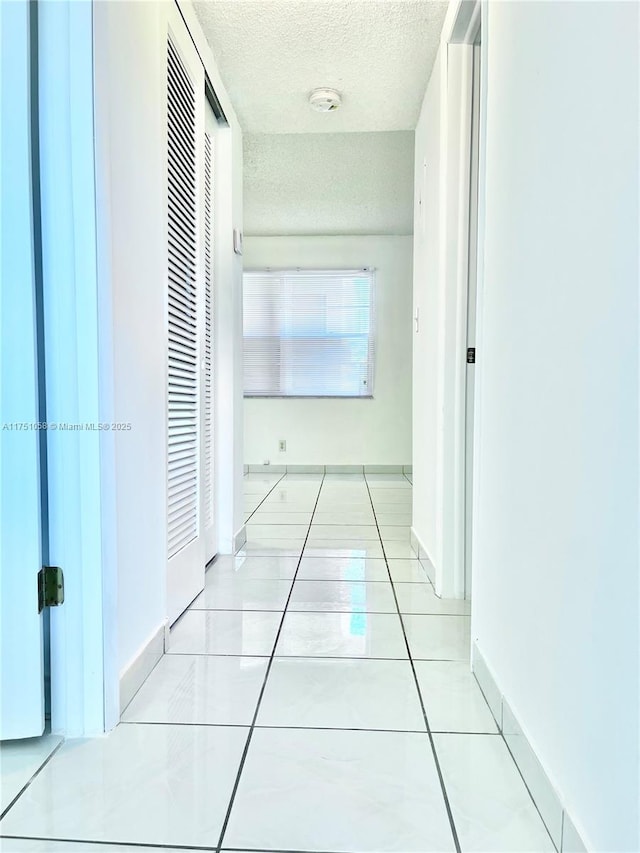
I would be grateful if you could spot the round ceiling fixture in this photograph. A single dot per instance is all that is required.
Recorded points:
(325, 100)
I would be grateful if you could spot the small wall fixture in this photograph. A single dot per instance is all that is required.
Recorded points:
(325, 100)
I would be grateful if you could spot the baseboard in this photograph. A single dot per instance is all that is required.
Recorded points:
(328, 469)
(543, 793)
(134, 676)
(240, 538)
(423, 555)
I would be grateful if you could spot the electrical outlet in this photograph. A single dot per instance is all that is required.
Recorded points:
(283, 445)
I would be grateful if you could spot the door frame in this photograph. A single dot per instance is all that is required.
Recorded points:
(80, 362)
(76, 310)
(459, 33)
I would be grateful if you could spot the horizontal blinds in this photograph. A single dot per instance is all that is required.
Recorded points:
(308, 333)
(182, 414)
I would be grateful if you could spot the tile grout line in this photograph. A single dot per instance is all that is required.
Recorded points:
(307, 728)
(247, 520)
(308, 657)
(24, 787)
(264, 683)
(145, 845)
(452, 825)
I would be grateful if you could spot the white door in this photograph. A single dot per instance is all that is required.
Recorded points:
(21, 661)
(471, 314)
(208, 397)
(185, 318)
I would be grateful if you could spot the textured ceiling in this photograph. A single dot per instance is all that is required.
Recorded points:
(273, 53)
(344, 183)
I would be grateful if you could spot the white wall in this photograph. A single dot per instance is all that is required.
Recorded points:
(130, 46)
(328, 183)
(343, 432)
(555, 610)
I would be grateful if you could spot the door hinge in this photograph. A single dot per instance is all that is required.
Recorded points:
(471, 355)
(50, 587)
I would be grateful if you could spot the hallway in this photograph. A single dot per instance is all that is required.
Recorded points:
(315, 697)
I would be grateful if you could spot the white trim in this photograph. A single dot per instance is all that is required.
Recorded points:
(80, 465)
(456, 56)
(138, 670)
(240, 539)
(542, 790)
(422, 554)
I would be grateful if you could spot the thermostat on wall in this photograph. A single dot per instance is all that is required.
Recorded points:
(237, 241)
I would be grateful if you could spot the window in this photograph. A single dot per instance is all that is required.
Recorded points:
(308, 333)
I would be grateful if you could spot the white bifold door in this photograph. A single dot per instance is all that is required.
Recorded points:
(185, 319)
(191, 541)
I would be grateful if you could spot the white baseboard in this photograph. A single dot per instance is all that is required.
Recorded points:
(328, 469)
(240, 538)
(543, 793)
(422, 555)
(134, 676)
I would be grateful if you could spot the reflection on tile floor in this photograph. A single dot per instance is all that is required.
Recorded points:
(294, 708)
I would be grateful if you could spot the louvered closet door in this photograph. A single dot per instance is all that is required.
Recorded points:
(185, 315)
(208, 408)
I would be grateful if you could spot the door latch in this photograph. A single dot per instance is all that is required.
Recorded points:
(471, 355)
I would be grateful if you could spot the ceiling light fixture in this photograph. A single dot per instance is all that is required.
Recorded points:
(325, 100)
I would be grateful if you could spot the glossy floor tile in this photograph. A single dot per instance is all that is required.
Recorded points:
(395, 550)
(359, 694)
(407, 571)
(338, 532)
(343, 596)
(344, 548)
(362, 516)
(224, 632)
(19, 760)
(369, 635)
(254, 567)
(200, 689)
(224, 593)
(421, 598)
(343, 569)
(491, 806)
(272, 548)
(438, 637)
(141, 783)
(452, 699)
(276, 531)
(319, 652)
(339, 791)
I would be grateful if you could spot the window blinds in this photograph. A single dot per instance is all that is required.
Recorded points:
(308, 333)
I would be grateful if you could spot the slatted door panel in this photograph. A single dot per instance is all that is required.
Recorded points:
(208, 332)
(185, 544)
(209, 365)
(182, 415)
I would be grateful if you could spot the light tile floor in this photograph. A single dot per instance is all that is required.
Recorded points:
(315, 697)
